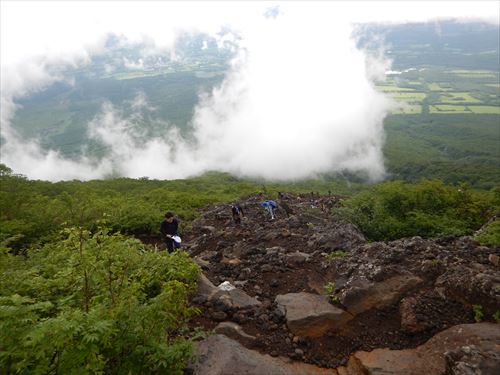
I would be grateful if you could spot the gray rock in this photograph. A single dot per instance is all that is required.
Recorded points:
(234, 331)
(219, 355)
(205, 289)
(361, 295)
(310, 314)
(430, 358)
(234, 298)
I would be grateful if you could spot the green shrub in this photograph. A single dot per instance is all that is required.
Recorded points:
(394, 210)
(490, 235)
(478, 313)
(330, 291)
(336, 254)
(95, 303)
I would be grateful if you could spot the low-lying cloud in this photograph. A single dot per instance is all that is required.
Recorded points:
(298, 100)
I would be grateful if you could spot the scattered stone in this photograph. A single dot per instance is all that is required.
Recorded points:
(234, 331)
(494, 259)
(219, 316)
(266, 268)
(235, 298)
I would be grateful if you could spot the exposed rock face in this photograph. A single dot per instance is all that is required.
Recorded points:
(234, 331)
(309, 314)
(483, 359)
(219, 355)
(429, 358)
(394, 295)
(361, 295)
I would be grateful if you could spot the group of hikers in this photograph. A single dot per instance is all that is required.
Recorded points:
(169, 227)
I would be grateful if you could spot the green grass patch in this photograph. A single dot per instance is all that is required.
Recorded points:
(457, 97)
(408, 109)
(386, 88)
(410, 97)
(436, 87)
(497, 85)
(443, 108)
(489, 109)
(474, 73)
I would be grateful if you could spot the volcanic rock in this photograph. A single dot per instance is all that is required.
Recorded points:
(219, 355)
(309, 314)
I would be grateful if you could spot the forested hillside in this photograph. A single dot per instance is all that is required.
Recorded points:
(83, 287)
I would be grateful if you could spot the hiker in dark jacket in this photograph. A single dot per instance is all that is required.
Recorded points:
(237, 213)
(168, 229)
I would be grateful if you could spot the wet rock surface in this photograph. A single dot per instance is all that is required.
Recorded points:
(397, 295)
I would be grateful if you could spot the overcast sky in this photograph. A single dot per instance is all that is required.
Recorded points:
(54, 27)
(298, 93)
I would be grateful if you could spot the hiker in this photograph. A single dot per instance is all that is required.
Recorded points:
(270, 206)
(168, 230)
(237, 213)
(285, 207)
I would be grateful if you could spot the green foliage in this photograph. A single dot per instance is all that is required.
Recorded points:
(330, 291)
(478, 313)
(95, 303)
(454, 148)
(394, 210)
(336, 254)
(34, 211)
(496, 316)
(490, 235)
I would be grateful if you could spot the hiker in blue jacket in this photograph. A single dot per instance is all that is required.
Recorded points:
(271, 207)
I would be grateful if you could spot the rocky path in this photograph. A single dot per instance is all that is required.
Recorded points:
(309, 295)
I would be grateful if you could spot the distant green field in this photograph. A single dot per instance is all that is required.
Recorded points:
(443, 108)
(408, 96)
(433, 86)
(497, 85)
(393, 88)
(408, 109)
(474, 73)
(457, 97)
(484, 109)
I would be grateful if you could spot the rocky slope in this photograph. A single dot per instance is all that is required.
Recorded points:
(309, 294)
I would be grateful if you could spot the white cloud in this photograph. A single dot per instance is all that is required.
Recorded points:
(299, 99)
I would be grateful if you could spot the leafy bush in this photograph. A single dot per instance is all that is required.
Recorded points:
(330, 291)
(394, 210)
(478, 313)
(95, 303)
(490, 235)
(336, 254)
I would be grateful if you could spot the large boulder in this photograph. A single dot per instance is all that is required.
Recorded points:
(360, 294)
(219, 355)
(205, 290)
(309, 314)
(233, 299)
(430, 358)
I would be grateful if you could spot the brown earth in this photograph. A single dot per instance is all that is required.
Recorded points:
(265, 258)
